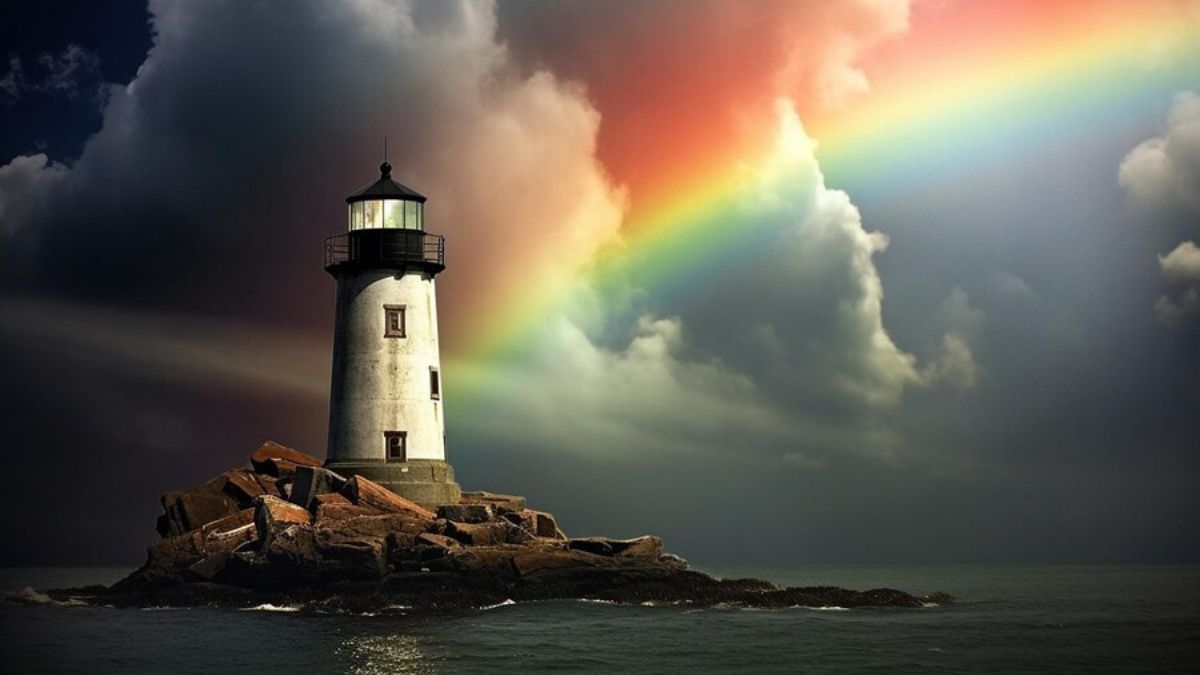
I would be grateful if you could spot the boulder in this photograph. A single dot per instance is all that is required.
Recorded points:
(242, 486)
(548, 559)
(438, 541)
(351, 556)
(331, 499)
(272, 514)
(311, 481)
(165, 558)
(270, 484)
(466, 513)
(364, 492)
(375, 525)
(498, 502)
(328, 512)
(645, 547)
(487, 534)
(539, 523)
(491, 559)
(226, 541)
(190, 509)
(276, 460)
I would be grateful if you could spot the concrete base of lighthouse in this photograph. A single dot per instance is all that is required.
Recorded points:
(428, 482)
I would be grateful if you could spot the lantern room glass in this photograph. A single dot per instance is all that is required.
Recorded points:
(373, 214)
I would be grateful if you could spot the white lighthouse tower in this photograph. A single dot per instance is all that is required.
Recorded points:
(385, 406)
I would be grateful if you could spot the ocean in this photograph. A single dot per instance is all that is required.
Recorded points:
(1007, 619)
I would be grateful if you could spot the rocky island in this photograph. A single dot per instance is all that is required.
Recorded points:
(286, 531)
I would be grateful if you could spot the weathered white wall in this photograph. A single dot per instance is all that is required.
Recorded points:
(380, 383)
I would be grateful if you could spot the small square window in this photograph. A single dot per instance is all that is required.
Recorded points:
(397, 445)
(435, 384)
(393, 321)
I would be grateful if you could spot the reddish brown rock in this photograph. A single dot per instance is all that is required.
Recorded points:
(190, 509)
(275, 459)
(539, 523)
(367, 493)
(498, 502)
(546, 559)
(272, 514)
(242, 486)
(440, 541)
(311, 481)
(488, 534)
(226, 541)
(466, 513)
(328, 512)
(645, 547)
(331, 498)
(269, 484)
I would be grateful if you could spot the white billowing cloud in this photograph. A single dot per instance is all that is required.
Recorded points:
(954, 363)
(1165, 170)
(1180, 267)
(25, 185)
(785, 357)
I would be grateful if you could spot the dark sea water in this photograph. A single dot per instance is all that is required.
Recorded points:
(1007, 619)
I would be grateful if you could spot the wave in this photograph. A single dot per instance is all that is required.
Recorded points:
(28, 596)
(506, 603)
(268, 607)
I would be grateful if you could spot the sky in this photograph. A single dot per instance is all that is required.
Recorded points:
(870, 281)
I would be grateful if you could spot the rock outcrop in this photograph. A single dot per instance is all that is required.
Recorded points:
(286, 530)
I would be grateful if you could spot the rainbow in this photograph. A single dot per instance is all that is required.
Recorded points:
(972, 80)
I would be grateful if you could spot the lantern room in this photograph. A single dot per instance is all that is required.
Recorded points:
(386, 204)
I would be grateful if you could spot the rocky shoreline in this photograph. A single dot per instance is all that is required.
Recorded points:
(286, 532)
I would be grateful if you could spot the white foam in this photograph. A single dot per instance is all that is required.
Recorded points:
(31, 597)
(506, 603)
(268, 607)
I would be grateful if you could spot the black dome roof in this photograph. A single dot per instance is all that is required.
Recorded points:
(386, 188)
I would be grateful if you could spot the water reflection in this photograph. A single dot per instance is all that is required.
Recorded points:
(384, 653)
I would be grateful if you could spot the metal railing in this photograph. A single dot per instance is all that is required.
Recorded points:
(385, 246)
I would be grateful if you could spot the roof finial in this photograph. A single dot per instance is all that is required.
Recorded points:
(385, 169)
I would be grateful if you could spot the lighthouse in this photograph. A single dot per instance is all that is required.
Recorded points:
(386, 400)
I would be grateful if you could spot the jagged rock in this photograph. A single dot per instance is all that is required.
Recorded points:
(438, 541)
(232, 521)
(226, 541)
(242, 486)
(272, 514)
(311, 481)
(498, 502)
(331, 499)
(466, 513)
(539, 523)
(646, 546)
(367, 493)
(279, 460)
(327, 512)
(270, 484)
(673, 561)
(536, 561)
(368, 548)
(351, 556)
(190, 509)
(487, 534)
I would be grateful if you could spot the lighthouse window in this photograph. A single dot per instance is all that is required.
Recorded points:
(435, 386)
(393, 321)
(396, 443)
